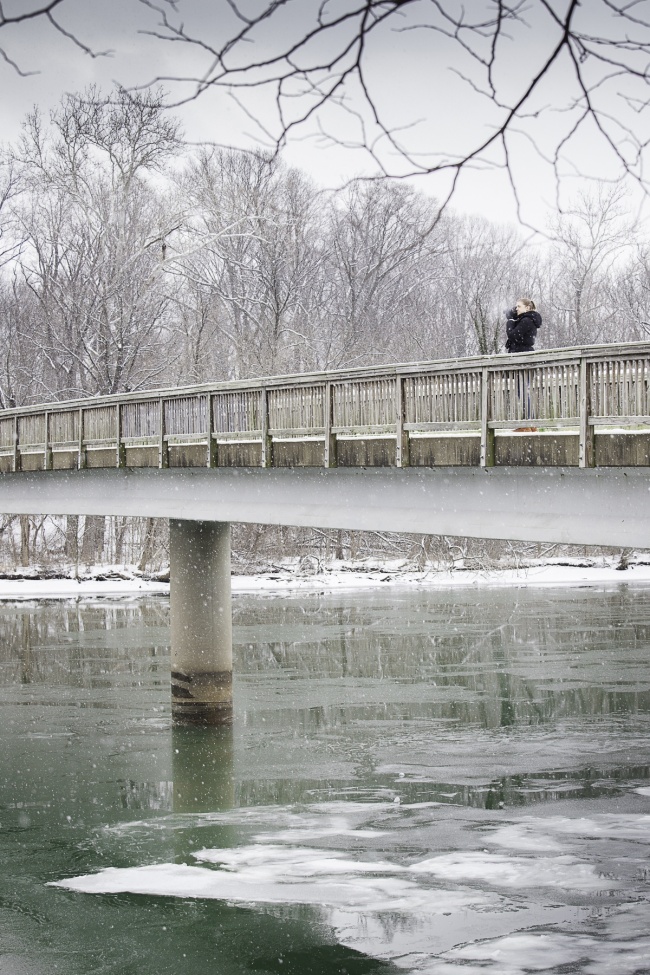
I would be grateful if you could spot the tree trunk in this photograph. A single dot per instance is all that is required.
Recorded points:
(25, 527)
(92, 545)
(338, 552)
(148, 544)
(71, 546)
(120, 532)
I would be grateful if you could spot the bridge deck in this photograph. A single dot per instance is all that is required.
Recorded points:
(579, 407)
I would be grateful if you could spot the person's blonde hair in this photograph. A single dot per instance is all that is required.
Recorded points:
(528, 302)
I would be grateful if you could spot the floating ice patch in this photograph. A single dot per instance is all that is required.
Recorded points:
(303, 834)
(281, 875)
(643, 791)
(526, 836)
(314, 825)
(334, 816)
(295, 862)
(503, 871)
(521, 953)
(542, 834)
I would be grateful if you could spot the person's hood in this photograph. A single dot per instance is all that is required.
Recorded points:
(536, 317)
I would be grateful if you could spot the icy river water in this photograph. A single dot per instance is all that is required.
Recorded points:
(441, 782)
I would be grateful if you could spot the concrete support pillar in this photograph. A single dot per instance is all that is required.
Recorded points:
(201, 622)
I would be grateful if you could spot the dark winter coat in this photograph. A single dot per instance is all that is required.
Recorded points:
(521, 330)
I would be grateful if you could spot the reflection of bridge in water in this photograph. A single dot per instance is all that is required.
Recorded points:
(547, 446)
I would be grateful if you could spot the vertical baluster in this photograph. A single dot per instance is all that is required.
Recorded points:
(120, 450)
(81, 450)
(47, 449)
(402, 437)
(487, 435)
(330, 438)
(16, 456)
(267, 440)
(586, 443)
(163, 451)
(211, 458)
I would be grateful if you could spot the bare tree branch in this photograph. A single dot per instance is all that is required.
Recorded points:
(45, 12)
(326, 72)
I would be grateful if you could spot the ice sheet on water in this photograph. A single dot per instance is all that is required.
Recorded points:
(284, 875)
(262, 860)
(500, 910)
(305, 834)
(546, 834)
(521, 953)
(318, 816)
(511, 871)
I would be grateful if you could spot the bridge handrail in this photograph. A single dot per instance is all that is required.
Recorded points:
(497, 361)
(580, 390)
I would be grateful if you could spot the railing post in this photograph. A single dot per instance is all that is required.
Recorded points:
(47, 450)
(267, 440)
(487, 435)
(212, 459)
(16, 457)
(81, 450)
(329, 459)
(586, 449)
(120, 449)
(402, 437)
(163, 452)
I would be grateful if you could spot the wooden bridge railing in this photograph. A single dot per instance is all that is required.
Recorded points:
(577, 407)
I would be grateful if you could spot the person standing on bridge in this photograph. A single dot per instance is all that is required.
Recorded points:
(521, 326)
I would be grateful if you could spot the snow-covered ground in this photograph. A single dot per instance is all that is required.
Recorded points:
(291, 576)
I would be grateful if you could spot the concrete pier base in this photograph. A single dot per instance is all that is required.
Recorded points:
(201, 622)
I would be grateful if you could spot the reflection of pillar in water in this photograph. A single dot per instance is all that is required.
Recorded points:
(201, 622)
(202, 767)
(26, 660)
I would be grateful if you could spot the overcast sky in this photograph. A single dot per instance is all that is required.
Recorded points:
(411, 73)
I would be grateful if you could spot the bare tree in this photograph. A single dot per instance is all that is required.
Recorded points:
(589, 241)
(92, 231)
(535, 73)
(246, 257)
(384, 246)
(486, 274)
(87, 304)
(630, 294)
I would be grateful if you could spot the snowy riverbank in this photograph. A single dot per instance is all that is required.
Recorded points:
(291, 576)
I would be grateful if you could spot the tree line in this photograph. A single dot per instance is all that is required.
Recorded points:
(130, 261)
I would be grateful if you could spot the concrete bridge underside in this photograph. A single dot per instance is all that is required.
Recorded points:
(603, 506)
(594, 506)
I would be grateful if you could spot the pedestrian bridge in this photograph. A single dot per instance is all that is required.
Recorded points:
(543, 446)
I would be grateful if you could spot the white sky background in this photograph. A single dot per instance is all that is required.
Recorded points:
(410, 73)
